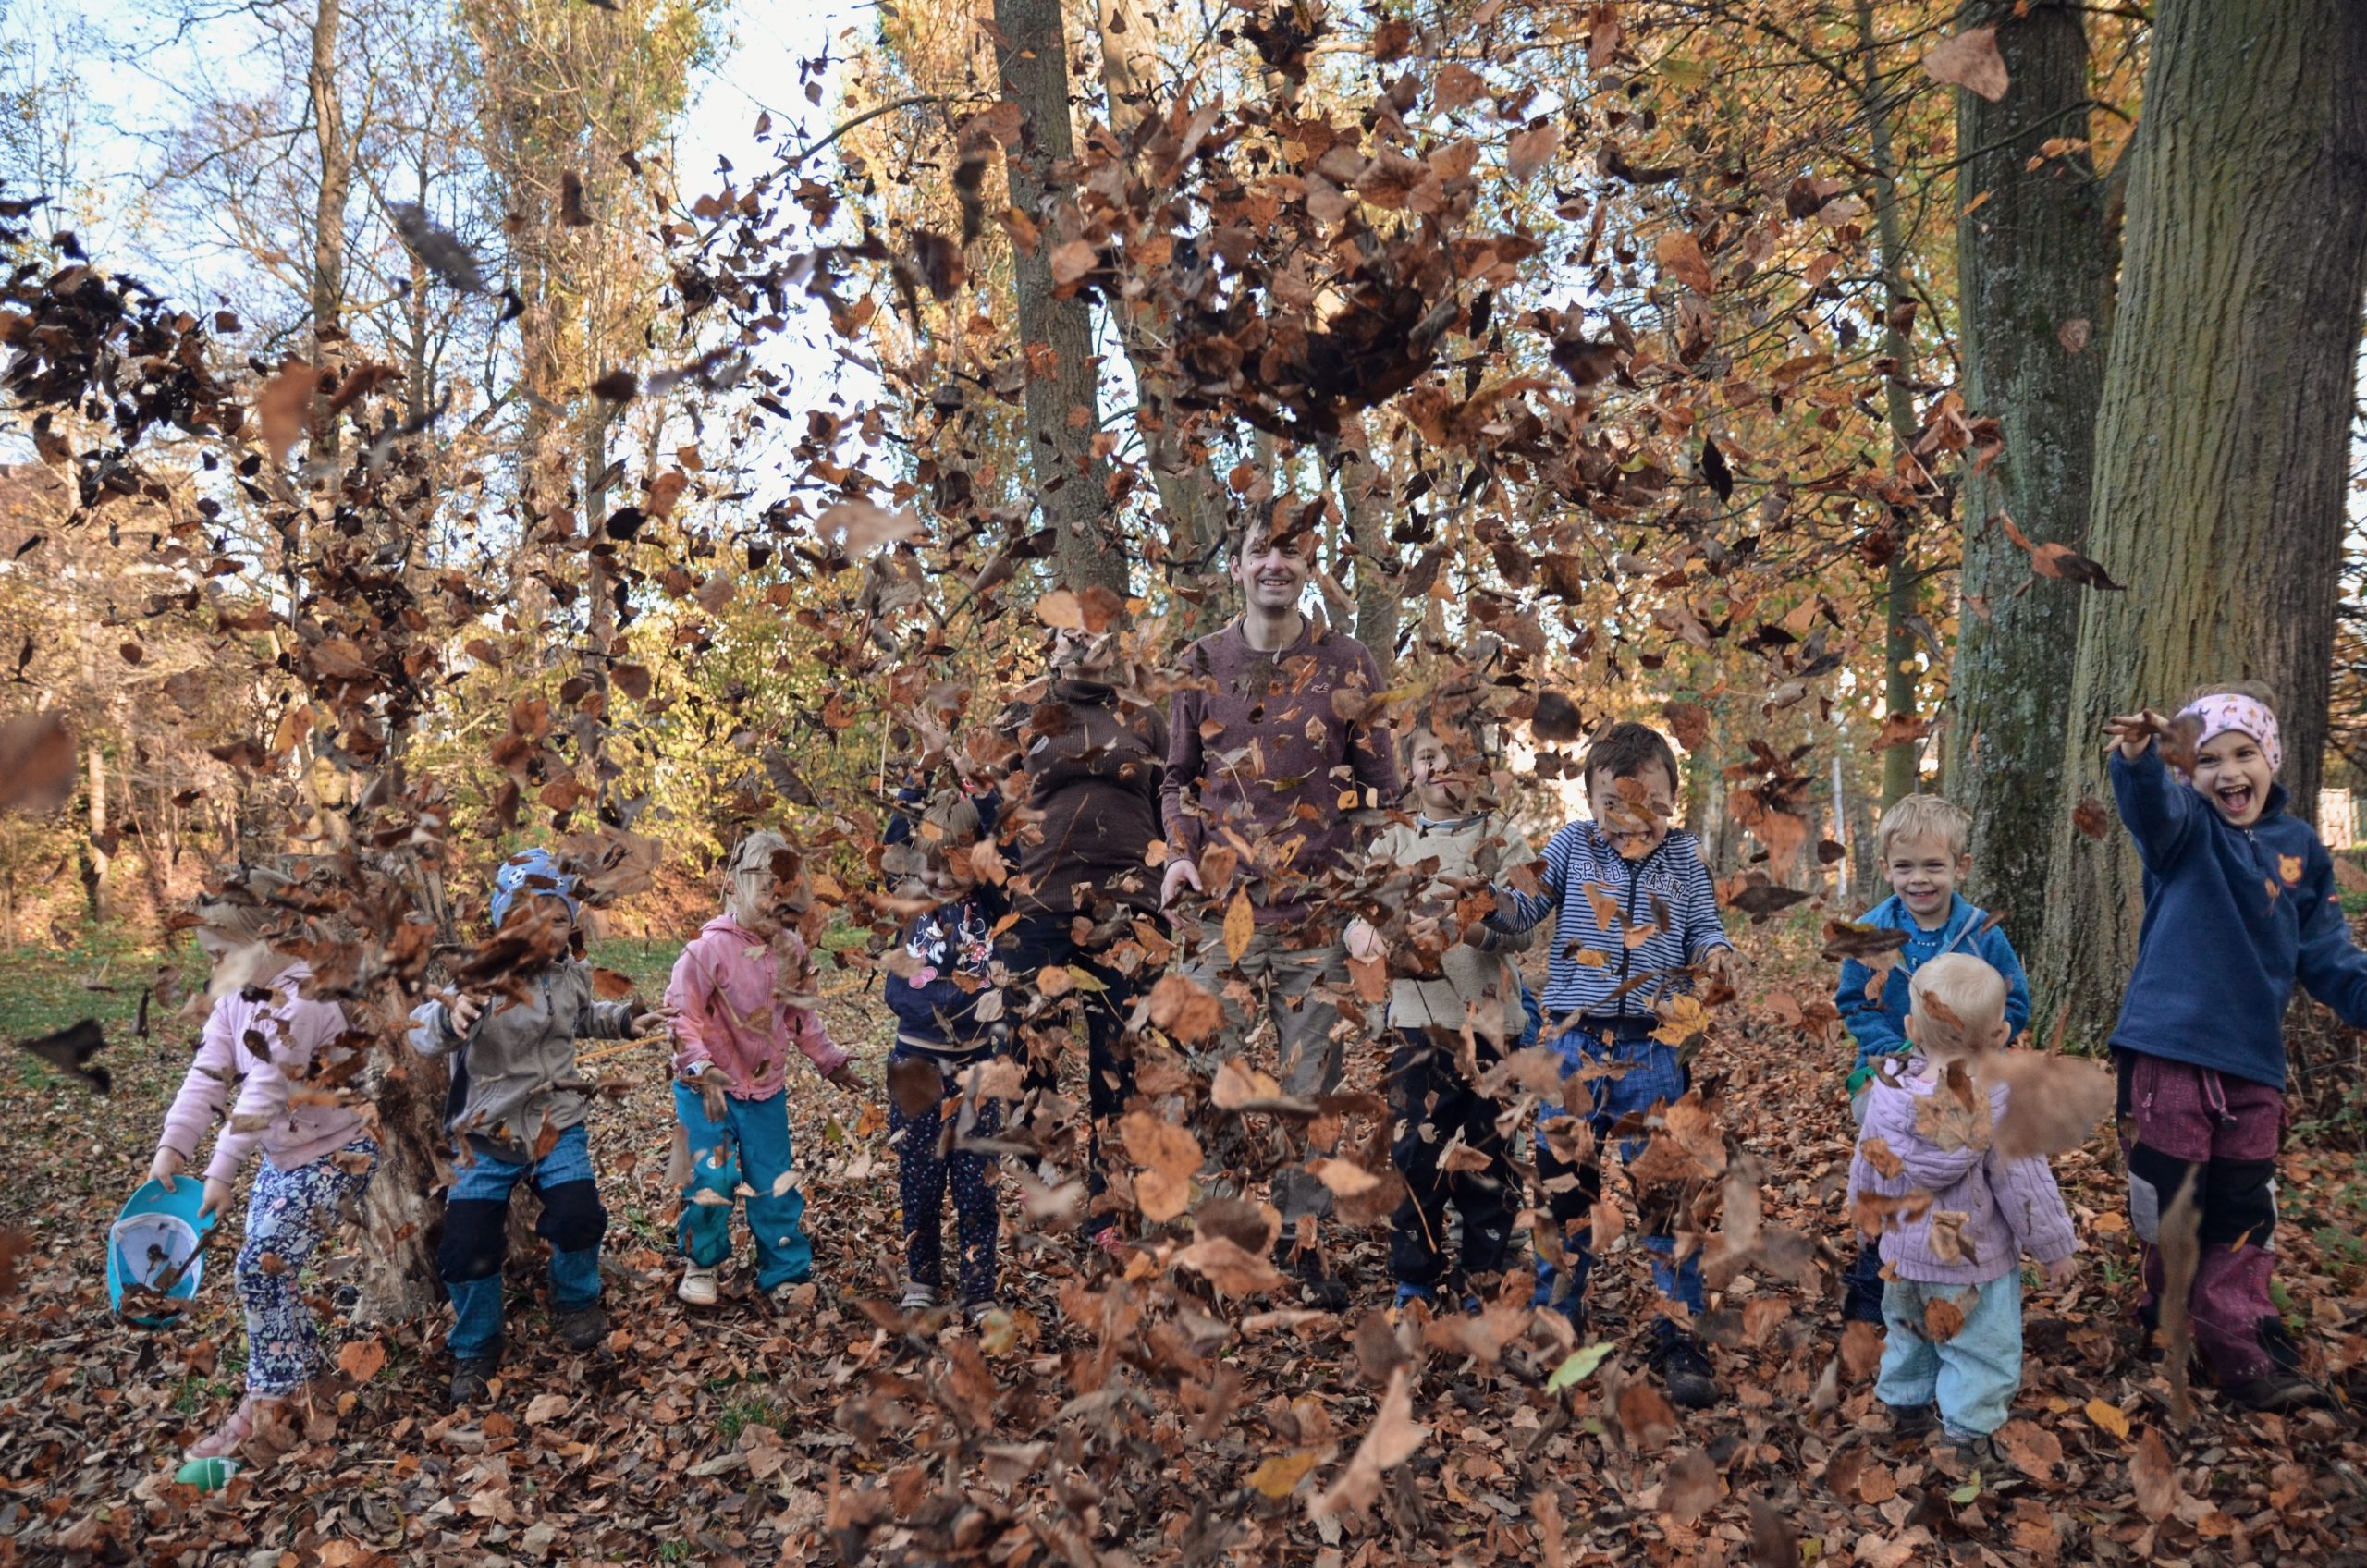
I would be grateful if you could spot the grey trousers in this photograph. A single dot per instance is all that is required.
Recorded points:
(1310, 1058)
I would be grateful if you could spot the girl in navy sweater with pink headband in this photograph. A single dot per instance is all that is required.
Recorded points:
(2240, 903)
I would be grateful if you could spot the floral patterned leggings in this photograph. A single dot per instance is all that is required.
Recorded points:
(288, 1216)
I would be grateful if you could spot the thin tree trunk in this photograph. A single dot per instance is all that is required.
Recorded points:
(336, 154)
(1363, 499)
(1062, 405)
(1182, 466)
(2033, 259)
(1899, 668)
(2222, 443)
(96, 860)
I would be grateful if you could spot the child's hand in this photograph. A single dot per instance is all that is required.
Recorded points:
(164, 1168)
(2061, 1273)
(1362, 941)
(846, 1078)
(712, 1098)
(2133, 732)
(1720, 968)
(218, 1199)
(653, 1020)
(465, 1010)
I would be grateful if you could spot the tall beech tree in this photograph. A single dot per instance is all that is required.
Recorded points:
(2222, 445)
(2034, 273)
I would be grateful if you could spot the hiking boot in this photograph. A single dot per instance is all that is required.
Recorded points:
(2277, 1392)
(1975, 1450)
(472, 1380)
(1692, 1383)
(1912, 1423)
(697, 1287)
(582, 1327)
(1320, 1288)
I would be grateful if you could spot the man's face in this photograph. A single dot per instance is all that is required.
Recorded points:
(1633, 811)
(1271, 573)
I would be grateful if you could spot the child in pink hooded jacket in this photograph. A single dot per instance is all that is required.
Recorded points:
(740, 991)
(265, 1040)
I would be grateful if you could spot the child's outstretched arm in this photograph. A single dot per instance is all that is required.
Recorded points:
(2161, 812)
(434, 1030)
(2332, 968)
(1705, 942)
(2008, 963)
(1868, 1023)
(2032, 1207)
(1517, 912)
(206, 1090)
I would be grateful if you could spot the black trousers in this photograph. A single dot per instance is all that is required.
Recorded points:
(1433, 1102)
(1040, 941)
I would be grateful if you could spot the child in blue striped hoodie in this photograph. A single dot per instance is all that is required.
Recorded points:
(1635, 919)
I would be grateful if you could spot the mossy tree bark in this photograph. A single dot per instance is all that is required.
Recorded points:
(2222, 443)
(2034, 263)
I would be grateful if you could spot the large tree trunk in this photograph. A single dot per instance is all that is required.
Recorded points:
(2033, 262)
(1072, 485)
(2222, 445)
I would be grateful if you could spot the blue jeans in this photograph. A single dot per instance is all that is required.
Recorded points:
(752, 1144)
(477, 1217)
(1973, 1374)
(1652, 1073)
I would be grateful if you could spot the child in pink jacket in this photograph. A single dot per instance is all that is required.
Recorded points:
(262, 1057)
(742, 992)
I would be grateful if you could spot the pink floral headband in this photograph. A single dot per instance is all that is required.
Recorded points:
(2223, 712)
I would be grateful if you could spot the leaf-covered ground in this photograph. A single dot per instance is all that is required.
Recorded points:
(1112, 1422)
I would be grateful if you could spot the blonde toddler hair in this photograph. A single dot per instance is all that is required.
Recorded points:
(1925, 816)
(752, 886)
(1958, 1001)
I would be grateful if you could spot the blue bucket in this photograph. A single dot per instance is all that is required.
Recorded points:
(157, 1244)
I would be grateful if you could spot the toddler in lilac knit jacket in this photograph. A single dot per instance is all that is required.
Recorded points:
(1954, 1216)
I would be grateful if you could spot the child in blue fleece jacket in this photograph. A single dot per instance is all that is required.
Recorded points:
(2240, 905)
(1925, 845)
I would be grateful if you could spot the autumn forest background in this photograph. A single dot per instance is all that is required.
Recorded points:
(420, 444)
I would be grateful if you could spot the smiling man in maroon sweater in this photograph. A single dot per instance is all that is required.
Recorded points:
(1269, 748)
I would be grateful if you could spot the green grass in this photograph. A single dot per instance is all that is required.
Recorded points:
(650, 962)
(738, 1414)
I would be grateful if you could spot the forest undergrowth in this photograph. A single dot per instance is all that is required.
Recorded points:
(1103, 1423)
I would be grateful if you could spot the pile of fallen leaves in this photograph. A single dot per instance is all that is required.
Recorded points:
(1176, 1408)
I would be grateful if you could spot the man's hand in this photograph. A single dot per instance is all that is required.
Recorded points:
(2133, 732)
(1362, 941)
(465, 1012)
(1180, 874)
(164, 1168)
(846, 1078)
(218, 1199)
(2061, 1273)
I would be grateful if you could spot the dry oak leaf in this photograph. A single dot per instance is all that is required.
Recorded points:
(1680, 256)
(1690, 1489)
(2153, 1478)
(1231, 1268)
(2034, 1450)
(1942, 1319)
(2052, 1103)
(283, 406)
(1391, 1442)
(36, 763)
(863, 524)
(1185, 1010)
(1169, 1155)
(360, 1359)
(1970, 60)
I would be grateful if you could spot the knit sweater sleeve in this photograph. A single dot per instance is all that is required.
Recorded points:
(2031, 1203)
(206, 1089)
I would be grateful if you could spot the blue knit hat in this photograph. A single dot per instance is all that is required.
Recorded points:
(527, 875)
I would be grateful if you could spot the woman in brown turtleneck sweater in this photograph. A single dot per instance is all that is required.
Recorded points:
(1094, 759)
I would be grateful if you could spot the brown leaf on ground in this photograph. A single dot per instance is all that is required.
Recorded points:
(1390, 1442)
(2152, 1477)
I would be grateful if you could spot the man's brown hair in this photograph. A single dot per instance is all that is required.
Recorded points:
(1626, 749)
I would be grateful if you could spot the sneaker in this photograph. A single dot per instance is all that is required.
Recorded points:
(975, 1312)
(582, 1327)
(2275, 1390)
(1407, 1294)
(1323, 1290)
(1912, 1423)
(919, 1298)
(1692, 1382)
(472, 1380)
(782, 1298)
(697, 1287)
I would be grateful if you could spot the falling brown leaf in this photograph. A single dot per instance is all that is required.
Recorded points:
(1970, 60)
(37, 763)
(1690, 1488)
(2153, 1478)
(1391, 1440)
(283, 407)
(1169, 1155)
(2091, 817)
